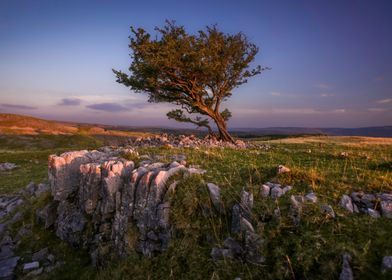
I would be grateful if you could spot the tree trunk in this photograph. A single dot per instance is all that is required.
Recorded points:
(223, 133)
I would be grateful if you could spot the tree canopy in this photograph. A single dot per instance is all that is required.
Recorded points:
(197, 72)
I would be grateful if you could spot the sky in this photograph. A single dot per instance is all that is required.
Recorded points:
(331, 61)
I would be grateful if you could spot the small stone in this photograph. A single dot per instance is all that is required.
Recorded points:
(283, 169)
(386, 209)
(214, 191)
(40, 255)
(265, 190)
(347, 273)
(51, 258)
(373, 213)
(347, 203)
(311, 197)
(30, 266)
(328, 210)
(386, 264)
(7, 166)
(276, 192)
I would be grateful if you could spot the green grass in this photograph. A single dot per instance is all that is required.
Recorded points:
(310, 251)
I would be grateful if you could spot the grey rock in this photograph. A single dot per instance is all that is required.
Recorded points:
(346, 203)
(30, 266)
(265, 190)
(40, 255)
(386, 264)
(311, 197)
(7, 267)
(385, 196)
(373, 213)
(7, 166)
(236, 219)
(386, 209)
(276, 192)
(347, 273)
(328, 210)
(51, 258)
(214, 192)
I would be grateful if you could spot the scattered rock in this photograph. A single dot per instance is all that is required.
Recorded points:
(311, 197)
(346, 203)
(265, 190)
(40, 255)
(7, 267)
(30, 266)
(347, 273)
(7, 166)
(214, 192)
(283, 169)
(276, 192)
(386, 264)
(386, 209)
(328, 210)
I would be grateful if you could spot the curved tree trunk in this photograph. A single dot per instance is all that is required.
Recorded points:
(223, 133)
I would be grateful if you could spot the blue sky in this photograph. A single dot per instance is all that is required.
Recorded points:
(331, 60)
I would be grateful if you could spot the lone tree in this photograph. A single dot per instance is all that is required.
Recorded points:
(196, 72)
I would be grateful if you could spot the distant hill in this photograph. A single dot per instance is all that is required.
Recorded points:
(379, 131)
(18, 124)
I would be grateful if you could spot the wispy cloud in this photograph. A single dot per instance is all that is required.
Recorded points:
(323, 86)
(70, 102)
(16, 106)
(275, 93)
(384, 101)
(379, 78)
(108, 107)
(327, 94)
(377, 110)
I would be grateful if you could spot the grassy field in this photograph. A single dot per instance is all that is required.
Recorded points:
(311, 250)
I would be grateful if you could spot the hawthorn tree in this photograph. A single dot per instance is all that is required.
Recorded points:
(197, 72)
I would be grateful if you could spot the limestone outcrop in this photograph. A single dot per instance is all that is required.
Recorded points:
(101, 201)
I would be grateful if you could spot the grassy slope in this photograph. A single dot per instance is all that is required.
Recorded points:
(310, 251)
